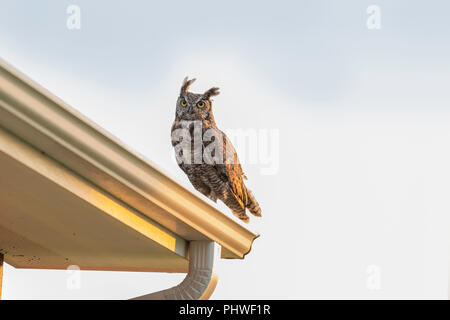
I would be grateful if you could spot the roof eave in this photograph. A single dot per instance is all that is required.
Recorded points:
(50, 125)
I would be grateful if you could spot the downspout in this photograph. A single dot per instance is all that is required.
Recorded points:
(199, 283)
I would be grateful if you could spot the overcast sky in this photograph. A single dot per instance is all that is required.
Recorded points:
(354, 176)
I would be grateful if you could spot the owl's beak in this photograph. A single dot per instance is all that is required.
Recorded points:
(190, 109)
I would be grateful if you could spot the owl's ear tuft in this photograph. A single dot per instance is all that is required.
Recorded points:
(186, 84)
(211, 92)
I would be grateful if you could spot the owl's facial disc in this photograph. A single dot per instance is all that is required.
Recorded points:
(192, 106)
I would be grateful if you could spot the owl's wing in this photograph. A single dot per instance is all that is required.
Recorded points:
(231, 171)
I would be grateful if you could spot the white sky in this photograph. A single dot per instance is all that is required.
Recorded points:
(363, 177)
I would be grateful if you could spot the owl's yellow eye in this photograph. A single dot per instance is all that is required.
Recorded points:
(200, 104)
(183, 103)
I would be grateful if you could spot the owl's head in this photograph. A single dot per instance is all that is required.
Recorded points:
(195, 106)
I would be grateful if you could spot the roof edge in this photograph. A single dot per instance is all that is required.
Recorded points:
(49, 124)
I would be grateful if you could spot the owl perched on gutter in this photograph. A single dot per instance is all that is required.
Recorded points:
(206, 154)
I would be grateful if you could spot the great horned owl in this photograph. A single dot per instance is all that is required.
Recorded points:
(206, 154)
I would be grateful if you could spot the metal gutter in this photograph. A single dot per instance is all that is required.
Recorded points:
(50, 125)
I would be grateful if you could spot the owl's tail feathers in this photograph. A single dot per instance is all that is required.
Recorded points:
(235, 204)
(253, 205)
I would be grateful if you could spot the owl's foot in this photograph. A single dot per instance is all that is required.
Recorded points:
(212, 195)
(242, 216)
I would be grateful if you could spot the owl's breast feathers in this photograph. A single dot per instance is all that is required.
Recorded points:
(223, 177)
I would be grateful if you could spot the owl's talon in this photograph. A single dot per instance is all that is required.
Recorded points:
(213, 197)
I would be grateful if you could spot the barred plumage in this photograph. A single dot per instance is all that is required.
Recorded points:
(212, 165)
